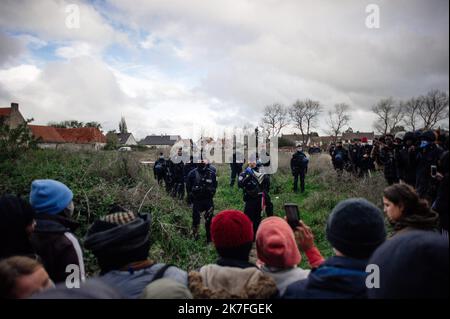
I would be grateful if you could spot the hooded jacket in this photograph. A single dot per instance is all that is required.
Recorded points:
(54, 241)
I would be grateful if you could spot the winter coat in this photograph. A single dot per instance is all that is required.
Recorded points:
(54, 241)
(427, 156)
(223, 282)
(337, 278)
(441, 203)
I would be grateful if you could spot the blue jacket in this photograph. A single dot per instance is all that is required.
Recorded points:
(337, 278)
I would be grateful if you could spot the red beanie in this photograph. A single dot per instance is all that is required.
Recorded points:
(275, 244)
(364, 140)
(231, 228)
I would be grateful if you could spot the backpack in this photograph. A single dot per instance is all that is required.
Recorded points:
(159, 168)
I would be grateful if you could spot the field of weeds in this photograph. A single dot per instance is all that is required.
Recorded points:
(101, 179)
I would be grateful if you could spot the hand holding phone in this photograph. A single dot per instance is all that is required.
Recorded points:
(304, 237)
(292, 215)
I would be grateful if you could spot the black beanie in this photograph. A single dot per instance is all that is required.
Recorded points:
(15, 215)
(412, 265)
(116, 245)
(355, 227)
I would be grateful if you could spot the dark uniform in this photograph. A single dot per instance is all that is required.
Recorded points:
(354, 151)
(188, 167)
(255, 186)
(299, 168)
(235, 167)
(201, 185)
(366, 162)
(388, 159)
(159, 169)
(168, 176)
(339, 158)
(178, 178)
(428, 154)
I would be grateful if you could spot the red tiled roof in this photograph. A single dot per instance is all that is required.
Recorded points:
(5, 111)
(82, 135)
(47, 134)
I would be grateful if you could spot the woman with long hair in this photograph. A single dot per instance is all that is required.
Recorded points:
(406, 211)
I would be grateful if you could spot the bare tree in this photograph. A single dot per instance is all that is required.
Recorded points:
(304, 115)
(338, 118)
(412, 109)
(435, 108)
(275, 118)
(389, 115)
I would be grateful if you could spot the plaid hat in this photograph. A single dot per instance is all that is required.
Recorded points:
(120, 218)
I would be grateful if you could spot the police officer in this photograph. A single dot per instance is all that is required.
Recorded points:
(255, 185)
(388, 159)
(159, 168)
(188, 167)
(354, 151)
(299, 168)
(366, 164)
(339, 157)
(178, 175)
(428, 154)
(202, 185)
(235, 166)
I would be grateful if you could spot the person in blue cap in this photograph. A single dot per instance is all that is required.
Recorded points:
(53, 238)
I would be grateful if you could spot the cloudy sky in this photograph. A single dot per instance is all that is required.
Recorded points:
(171, 66)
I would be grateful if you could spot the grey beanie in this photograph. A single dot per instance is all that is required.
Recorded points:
(356, 228)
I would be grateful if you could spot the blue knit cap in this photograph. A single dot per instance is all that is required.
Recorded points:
(49, 196)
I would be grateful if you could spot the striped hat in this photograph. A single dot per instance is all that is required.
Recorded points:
(120, 218)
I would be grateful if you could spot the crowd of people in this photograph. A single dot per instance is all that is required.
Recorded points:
(39, 253)
(197, 180)
(41, 256)
(419, 159)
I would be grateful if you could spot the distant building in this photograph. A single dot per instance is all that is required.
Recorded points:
(347, 136)
(11, 115)
(83, 138)
(160, 141)
(320, 141)
(126, 139)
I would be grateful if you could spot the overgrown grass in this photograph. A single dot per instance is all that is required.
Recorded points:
(101, 179)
